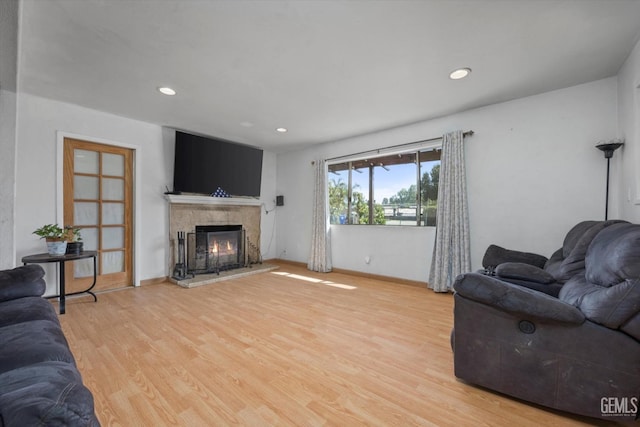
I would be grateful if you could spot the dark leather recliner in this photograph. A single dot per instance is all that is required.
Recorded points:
(536, 271)
(579, 352)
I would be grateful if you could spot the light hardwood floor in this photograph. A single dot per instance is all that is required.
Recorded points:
(286, 348)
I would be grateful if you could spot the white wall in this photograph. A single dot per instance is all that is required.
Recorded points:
(625, 164)
(8, 99)
(532, 173)
(7, 177)
(37, 199)
(268, 199)
(40, 119)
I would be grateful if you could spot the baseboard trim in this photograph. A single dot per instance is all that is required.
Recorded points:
(359, 274)
(154, 281)
(356, 273)
(286, 261)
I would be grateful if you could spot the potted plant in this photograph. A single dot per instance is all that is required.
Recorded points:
(54, 235)
(74, 240)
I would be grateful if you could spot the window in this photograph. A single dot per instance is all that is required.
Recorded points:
(395, 189)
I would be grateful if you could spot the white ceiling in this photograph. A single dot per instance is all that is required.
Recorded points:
(326, 70)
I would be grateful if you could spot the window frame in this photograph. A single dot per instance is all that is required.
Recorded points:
(368, 160)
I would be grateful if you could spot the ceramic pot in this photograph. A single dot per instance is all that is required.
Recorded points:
(56, 247)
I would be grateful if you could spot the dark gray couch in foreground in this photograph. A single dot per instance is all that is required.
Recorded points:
(579, 352)
(39, 382)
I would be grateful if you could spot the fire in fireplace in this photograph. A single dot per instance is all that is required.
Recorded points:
(215, 248)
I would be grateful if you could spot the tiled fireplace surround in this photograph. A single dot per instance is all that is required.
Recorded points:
(185, 212)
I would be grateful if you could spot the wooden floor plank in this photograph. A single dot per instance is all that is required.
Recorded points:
(287, 348)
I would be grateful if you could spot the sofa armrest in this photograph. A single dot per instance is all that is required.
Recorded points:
(521, 271)
(25, 281)
(496, 255)
(516, 299)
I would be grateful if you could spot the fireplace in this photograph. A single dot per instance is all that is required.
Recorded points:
(215, 248)
(190, 262)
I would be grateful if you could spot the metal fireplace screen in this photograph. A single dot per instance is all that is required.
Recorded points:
(214, 251)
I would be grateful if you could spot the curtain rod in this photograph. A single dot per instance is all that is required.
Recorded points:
(467, 133)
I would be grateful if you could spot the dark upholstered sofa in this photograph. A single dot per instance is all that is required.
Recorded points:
(579, 352)
(536, 271)
(39, 382)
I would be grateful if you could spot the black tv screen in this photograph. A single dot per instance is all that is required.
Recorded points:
(204, 164)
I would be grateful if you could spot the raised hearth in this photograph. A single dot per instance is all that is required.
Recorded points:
(207, 279)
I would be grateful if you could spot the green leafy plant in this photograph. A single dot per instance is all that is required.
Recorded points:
(71, 234)
(50, 232)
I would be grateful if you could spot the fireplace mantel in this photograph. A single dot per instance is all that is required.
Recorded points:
(206, 200)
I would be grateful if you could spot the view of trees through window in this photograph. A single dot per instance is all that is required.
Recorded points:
(398, 189)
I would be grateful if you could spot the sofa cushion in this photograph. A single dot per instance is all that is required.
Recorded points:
(609, 306)
(26, 309)
(32, 342)
(569, 260)
(608, 292)
(496, 255)
(47, 394)
(614, 255)
(553, 264)
(632, 326)
(574, 262)
(574, 235)
(520, 271)
(515, 299)
(22, 281)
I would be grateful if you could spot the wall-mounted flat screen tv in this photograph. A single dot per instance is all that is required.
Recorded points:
(204, 164)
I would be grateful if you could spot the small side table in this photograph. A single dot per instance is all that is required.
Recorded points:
(61, 259)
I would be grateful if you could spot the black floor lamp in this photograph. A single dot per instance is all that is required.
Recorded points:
(608, 148)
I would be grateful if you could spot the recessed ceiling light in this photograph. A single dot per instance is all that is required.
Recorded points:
(281, 130)
(167, 91)
(460, 73)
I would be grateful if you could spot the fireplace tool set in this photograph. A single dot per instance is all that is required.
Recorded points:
(180, 270)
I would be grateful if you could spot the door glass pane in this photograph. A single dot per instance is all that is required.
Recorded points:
(85, 161)
(85, 213)
(112, 213)
(85, 187)
(112, 189)
(113, 164)
(84, 267)
(112, 262)
(89, 239)
(112, 237)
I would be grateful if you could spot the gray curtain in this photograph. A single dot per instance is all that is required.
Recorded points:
(320, 256)
(451, 254)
